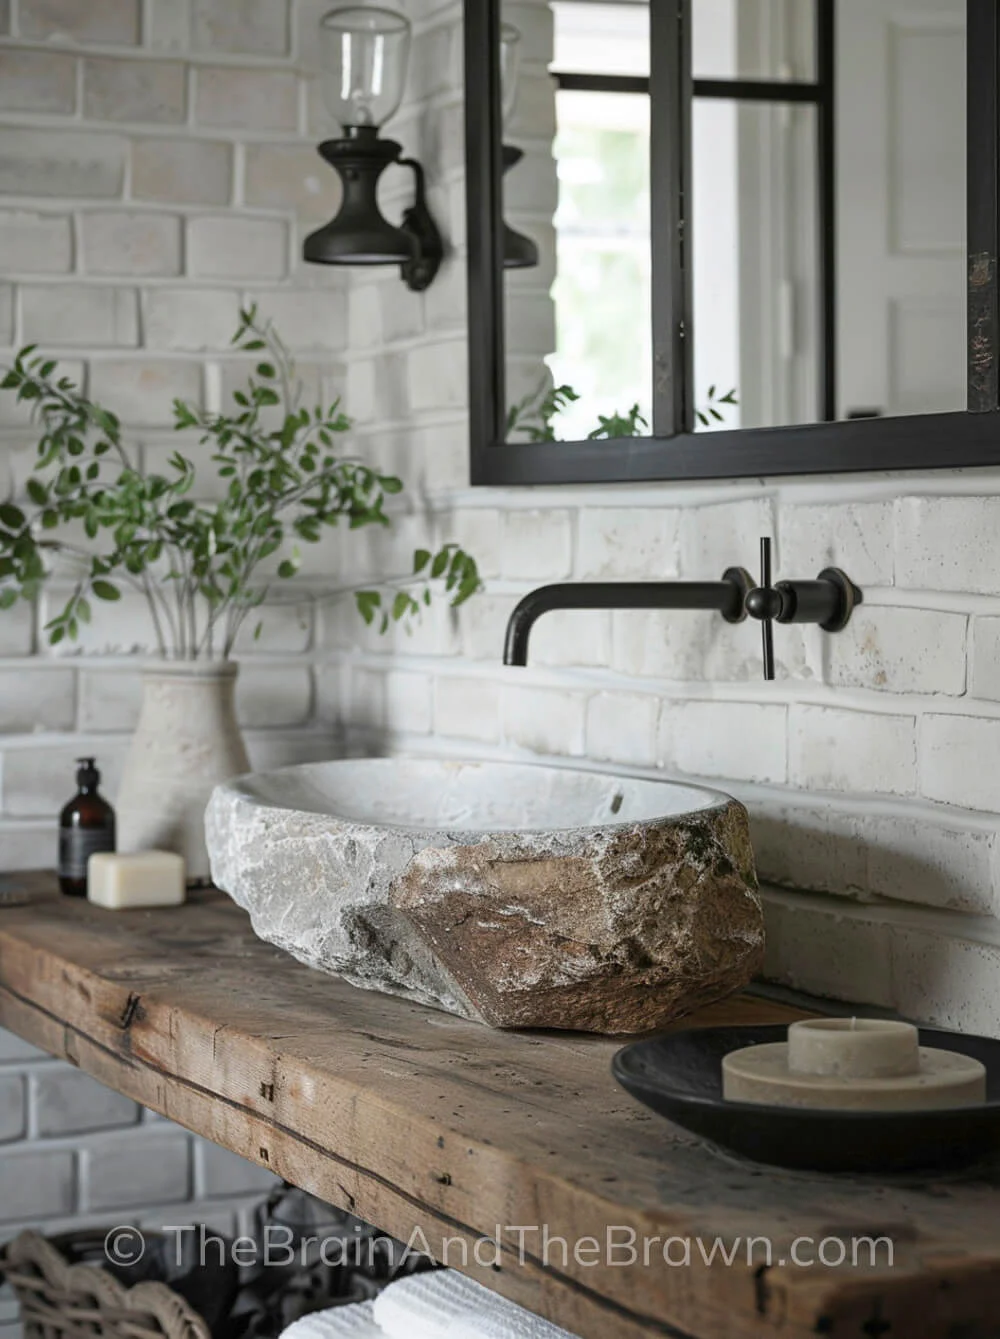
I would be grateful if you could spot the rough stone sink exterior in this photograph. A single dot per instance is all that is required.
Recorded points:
(520, 896)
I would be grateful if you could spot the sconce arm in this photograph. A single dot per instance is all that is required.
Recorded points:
(417, 221)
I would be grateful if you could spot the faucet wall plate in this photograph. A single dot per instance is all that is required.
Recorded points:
(851, 596)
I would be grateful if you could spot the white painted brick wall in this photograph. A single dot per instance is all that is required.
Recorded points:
(126, 242)
(57, 315)
(830, 749)
(467, 708)
(728, 740)
(537, 545)
(622, 727)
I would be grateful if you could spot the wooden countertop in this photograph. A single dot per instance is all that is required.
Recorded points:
(416, 1120)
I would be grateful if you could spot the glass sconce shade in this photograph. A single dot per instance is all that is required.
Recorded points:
(363, 55)
(510, 64)
(364, 52)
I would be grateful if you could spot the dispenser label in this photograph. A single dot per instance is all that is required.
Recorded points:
(77, 845)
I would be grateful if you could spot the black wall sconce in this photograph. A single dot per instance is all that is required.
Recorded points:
(519, 252)
(364, 54)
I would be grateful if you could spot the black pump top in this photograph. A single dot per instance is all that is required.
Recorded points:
(87, 775)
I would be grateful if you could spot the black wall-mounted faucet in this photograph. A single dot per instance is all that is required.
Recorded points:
(829, 601)
(728, 596)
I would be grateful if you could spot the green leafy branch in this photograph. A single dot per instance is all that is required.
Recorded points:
(533, 417)
(614, 425)
(711, 413)
(449, 564)
(201, 567)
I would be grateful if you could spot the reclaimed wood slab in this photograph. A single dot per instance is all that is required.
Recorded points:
(452, 1136)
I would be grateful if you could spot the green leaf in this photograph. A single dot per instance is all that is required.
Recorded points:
(368, 601)
(390, 484)
(266, 370)
(105, 591)
(37, 491)
(420, 560)
(400, 605)
(440, 563)
(106, 421)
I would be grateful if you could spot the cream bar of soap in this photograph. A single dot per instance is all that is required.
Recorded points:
(120, 881)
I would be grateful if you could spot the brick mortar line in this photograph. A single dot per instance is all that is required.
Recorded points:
(848, 804)
(782, 692)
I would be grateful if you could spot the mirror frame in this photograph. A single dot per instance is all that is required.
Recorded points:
(964, 438)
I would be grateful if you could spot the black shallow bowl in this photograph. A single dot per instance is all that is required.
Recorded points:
(680, 1076)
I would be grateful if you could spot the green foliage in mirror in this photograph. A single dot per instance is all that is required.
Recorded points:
(534, 417)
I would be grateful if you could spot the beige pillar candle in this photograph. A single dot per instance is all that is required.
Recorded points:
(853, 1048)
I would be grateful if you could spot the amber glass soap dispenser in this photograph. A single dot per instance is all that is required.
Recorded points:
(86, 825)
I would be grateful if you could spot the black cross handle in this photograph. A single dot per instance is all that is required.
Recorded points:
(830, 601)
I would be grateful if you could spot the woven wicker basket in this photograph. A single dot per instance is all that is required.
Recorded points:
(63, 1301)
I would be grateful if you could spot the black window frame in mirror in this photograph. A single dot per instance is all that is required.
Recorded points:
(965, 438)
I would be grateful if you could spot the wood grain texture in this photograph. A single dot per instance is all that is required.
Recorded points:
(415, 1119)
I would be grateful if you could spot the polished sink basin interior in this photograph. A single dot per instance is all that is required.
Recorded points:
(516, 895)
(470, 796)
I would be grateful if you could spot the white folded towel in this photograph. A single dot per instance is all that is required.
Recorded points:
(446, 1305)
(340, 1322)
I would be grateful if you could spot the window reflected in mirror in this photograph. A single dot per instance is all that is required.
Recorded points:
(825, 213)
(756, 272)
(753, 39)
(579, 324)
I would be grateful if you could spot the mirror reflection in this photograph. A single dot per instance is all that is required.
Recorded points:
(582, 192)
(826, 213)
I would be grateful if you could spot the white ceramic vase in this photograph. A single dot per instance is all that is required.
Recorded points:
(186, 742)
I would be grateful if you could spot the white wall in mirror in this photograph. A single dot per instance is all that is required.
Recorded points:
(901, 221)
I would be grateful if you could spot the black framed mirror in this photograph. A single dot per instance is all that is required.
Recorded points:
(734, 237)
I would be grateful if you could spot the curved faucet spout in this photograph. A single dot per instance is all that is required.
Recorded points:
(727, 597)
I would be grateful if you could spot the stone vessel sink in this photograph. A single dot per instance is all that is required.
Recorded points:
(516, 895)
